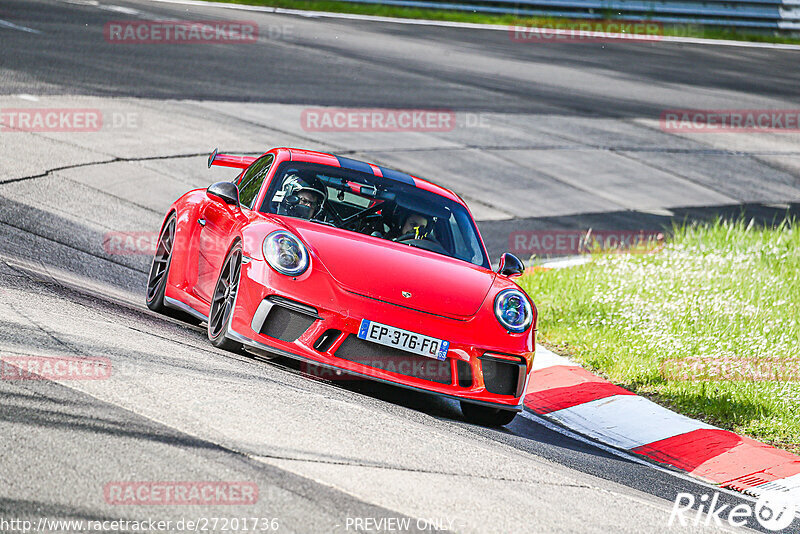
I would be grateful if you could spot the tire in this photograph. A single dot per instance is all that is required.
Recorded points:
(485, 415)
(159, 272)
(223, 299)
(159, 268)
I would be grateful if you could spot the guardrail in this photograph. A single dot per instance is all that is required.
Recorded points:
(766, 14)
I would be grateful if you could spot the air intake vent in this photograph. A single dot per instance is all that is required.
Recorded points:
(464, 374)
(502, 376)
(293, 305)
(285, 324)
(397, 361)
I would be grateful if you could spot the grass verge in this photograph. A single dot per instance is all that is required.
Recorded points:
(680, 30)
(719, 304)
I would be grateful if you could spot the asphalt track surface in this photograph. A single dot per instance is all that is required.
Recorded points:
(568, 138)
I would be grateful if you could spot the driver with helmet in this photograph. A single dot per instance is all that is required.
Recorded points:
(302, 197)
(416, 224)
(408, 224)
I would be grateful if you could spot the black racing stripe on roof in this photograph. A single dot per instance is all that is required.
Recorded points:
(354, 165)
(391, 174)
(398, 176)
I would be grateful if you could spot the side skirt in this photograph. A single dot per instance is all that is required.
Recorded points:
(178, 305)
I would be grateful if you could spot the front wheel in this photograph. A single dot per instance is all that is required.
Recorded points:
(223, 301)
(486, 415)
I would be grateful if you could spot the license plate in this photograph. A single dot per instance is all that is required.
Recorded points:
(403, 339)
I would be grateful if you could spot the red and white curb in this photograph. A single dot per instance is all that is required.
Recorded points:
(565, 393)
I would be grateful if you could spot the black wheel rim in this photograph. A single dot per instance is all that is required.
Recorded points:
(225, 294)
(158, 271)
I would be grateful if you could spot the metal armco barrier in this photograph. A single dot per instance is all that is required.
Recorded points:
(767, 14)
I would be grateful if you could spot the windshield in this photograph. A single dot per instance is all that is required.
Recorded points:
(376, 206)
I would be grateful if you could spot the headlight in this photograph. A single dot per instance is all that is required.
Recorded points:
(513, 311)
(285, 253)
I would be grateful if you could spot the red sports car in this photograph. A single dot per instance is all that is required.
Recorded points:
(349, 266)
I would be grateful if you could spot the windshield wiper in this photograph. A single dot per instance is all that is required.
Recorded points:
(323, 222)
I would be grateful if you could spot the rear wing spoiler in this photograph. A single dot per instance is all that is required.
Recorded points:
(230, 160)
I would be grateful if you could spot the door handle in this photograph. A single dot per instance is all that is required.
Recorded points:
(201, 222)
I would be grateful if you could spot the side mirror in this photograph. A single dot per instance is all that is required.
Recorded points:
(510, 265)
(227, 191)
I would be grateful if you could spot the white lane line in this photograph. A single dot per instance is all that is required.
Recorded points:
(472, 25)
(119, 9)
(6, 24)
(115, 9)
(625, 421)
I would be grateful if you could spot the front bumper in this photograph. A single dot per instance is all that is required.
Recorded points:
(311, 319)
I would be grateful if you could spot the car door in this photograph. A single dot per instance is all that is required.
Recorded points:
(218, 220)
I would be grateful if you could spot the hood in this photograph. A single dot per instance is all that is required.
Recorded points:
(383, 270)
